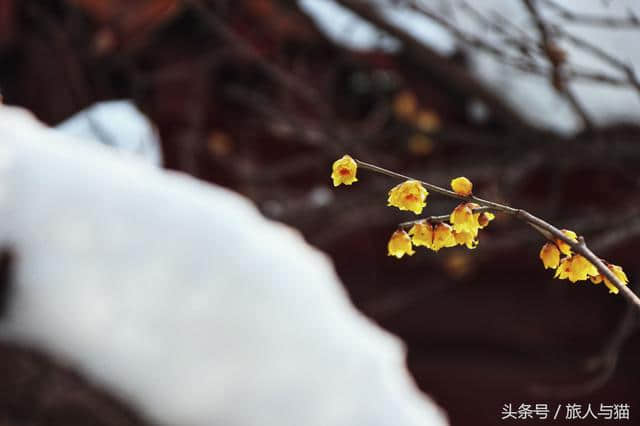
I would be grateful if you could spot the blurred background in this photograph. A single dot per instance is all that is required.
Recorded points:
(536, 101)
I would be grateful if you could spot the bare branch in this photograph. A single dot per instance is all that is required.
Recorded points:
(441, 218)
(449, 73)
(549, 231)
(632, 79)
(612, 22)
(557, 77)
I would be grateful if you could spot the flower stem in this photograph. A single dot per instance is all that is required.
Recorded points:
(441, 218)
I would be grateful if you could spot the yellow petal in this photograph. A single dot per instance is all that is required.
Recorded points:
(463, 219)
(581, 269)
(462, 186)
(620, 274)
(421, 234)
(409, 195)
(484, 218)
(400, 244)
(466, 239)
(562, 272)
(564, 247)
(344, 171)
(550, 256)
(443, 237)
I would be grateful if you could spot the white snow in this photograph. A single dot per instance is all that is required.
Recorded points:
(345, 27)
(531, 95)
(182, 298)
(118, 124)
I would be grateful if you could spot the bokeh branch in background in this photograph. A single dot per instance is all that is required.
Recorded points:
(537, 53)
(612, 22)
(556, 58)
(459, 79)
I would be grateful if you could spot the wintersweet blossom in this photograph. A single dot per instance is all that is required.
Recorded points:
(618, 272)
(443, 237)
(344, 171)
(562, 271)
(463, 219)
(409, 195)
(550, 256)
(575, 268)
(422, 234)
(564, 247)
(462, 186)
(400, 244)
(484, 218)
(620, 275)
(466, 239)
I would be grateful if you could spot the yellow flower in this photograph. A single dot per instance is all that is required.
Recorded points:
(597, 279)
(344, 171)
(550, 256)
(484, 218)
(582, 268)
(409, 195)
(443, 237)
(400, 244)
(463, 219)
(422, 234)
(564, 247)
(466, 239)
(462, 186)
(575, 268)
(562, 273)
(620, 275)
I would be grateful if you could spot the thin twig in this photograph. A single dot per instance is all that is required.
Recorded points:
(465, 37)
(612, 22)
(458, 79)
(291, 82)
(557, 77)
(441, 218)
(528, 45)
(549, 231)
(602, 54)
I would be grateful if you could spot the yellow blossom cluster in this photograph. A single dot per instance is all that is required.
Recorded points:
(437, 235)
(411, 195)
(462, 230)
(574, 267)
(464, 223)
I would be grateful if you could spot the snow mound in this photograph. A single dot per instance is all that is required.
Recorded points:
(180, 297)
(118, 124)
